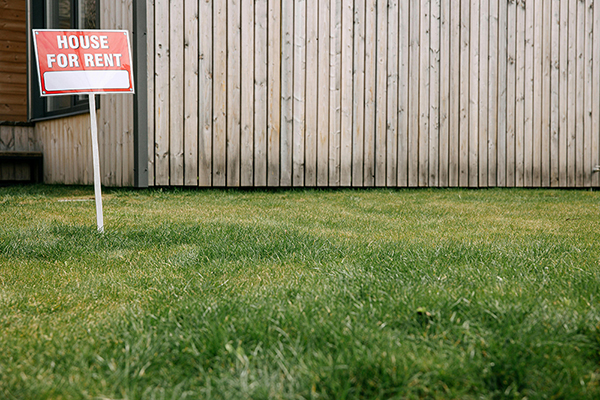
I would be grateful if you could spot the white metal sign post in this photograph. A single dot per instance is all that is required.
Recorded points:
(96, 161)
(84, 62)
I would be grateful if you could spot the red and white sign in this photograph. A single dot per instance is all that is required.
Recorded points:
(83, 61)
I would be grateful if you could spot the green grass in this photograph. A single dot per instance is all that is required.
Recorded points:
(409, 294)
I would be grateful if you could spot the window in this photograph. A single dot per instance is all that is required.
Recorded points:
(60, 14)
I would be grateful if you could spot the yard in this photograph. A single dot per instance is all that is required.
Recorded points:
(337, 294)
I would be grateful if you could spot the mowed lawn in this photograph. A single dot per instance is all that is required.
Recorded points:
(300, 294)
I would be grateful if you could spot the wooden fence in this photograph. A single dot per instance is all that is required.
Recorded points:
(374, 93)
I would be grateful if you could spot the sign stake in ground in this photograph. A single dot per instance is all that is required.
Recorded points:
(84, 62)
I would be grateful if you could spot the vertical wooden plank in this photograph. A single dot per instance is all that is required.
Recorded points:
(191, 94)
(248, 113)
(275, 51)
(434, 95)
(465, 79)
(312, 81)
(413, 93)
(380, 106)
(123, 160)
(474, 95)
(75, 145)
(77, 164)
(511, 54)
(502, 91)
(87, 154)
(161, 93)
(346, 89)
(260, 94)
(41, 130)
(493, 95)
(69, 149)
(22, 172)
(455, 111)
(423, 149)
(596, 96)
(555, 94)
(299, 92)
(287, 91)
(370, 91)
(358, 122)
(128, 144)
(219, 93)
(105, 124)
(546, 94)
(572, 93)
(403, 89)
(70, 161)
(234, 93)
(57, 152)
(128, 179)
(63, 159)
(36, 142)
(580, 93)
(391, 144)
(7, 138)
(63, 154)
(323, 94)
(117, 132)
(586, 167)
(484, 85)
(563, 126)
(150, 56)
(56, 133)
(22, 133)
(335, 94)
(537, 80)
(80, 152)
(444, 122)
(7, 142)
(520, 115)
(122, 104)
(117, 139)
(176, 89)
(205, 92)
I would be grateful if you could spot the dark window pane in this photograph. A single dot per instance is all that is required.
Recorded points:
(87, 14)
(58, 14)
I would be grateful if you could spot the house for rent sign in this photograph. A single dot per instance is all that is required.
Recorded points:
(83, 61)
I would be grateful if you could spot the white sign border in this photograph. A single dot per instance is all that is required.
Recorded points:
(96, 91)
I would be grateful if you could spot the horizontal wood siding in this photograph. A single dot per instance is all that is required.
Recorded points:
(13, 61)
(374, 93)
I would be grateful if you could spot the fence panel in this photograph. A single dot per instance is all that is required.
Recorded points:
(370, 93)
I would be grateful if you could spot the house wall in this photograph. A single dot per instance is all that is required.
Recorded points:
(13, 61)
(472, 93)
(67, 141)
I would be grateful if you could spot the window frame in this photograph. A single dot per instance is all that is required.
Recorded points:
(39, 105)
